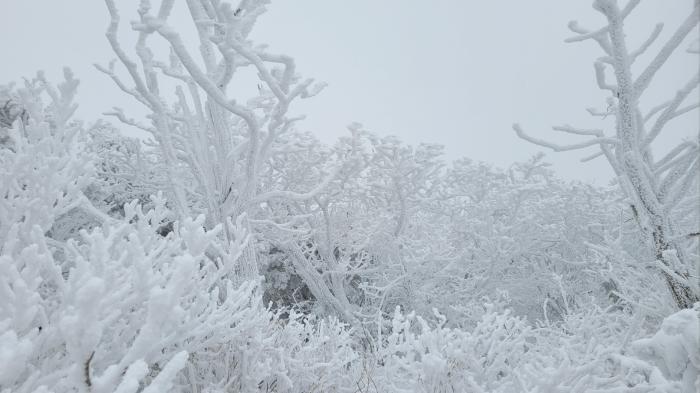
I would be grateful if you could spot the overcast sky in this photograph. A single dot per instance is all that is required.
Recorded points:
(454, 72)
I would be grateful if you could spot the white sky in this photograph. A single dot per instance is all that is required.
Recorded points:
(454, 72)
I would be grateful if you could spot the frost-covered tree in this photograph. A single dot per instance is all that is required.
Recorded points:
(214, 148)
(520, 230)
(385, 268)
(121, 306)
(656, 188)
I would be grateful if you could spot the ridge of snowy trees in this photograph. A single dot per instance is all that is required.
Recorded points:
(231, 252)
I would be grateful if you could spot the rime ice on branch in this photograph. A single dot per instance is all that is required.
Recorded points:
(214, 148)
(655, 186)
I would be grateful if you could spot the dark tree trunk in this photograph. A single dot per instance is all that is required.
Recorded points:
(682, 294)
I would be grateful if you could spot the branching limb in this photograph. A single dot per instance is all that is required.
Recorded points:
(600, 77)
(579, 131)
(119, 114)
(597, 141)
(654, 35)
(600, 34)
(645, 78)
(592, 156)
(661, 165)
(670, 110)
(131, 67)
(297, 196)
(110, 72)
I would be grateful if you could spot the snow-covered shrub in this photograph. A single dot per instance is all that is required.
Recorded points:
(125, 170)
(522, 230)
(44, 166)
(123, 305)
(574, 353)
(592, 350)
(320, 355)
(420, 357)
(674, 350)
(131, 308)
(627, 269)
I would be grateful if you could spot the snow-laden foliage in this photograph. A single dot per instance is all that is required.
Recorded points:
(419, 357)
(231, 252)
(123, 307)
(125, 170)
(129, 308)
(672, 352)
(591, 351)
(43, 164)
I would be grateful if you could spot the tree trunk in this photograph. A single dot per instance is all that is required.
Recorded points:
(682, 294)
(629, 154)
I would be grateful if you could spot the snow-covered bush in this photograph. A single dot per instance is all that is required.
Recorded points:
(593, 350)
(123, 306)
(420, 357)
(320, 355)
(132, 308)
(122, 301)
(674, 351)
(43, 167)
(125, 170)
